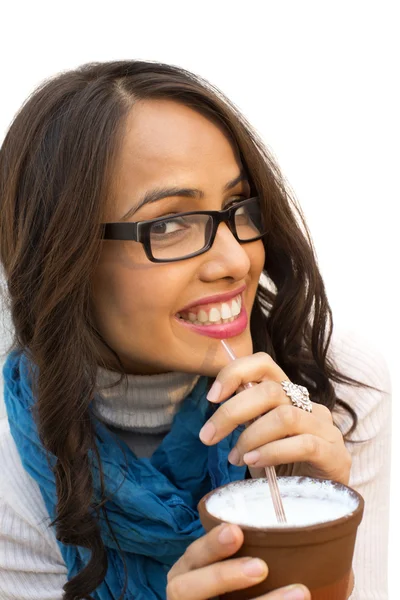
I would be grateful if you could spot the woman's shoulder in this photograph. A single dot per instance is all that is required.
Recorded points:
(357, 357)
(31, 564)
(23, 509)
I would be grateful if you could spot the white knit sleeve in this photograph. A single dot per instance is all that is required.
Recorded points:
(370, 471)
(31, 564)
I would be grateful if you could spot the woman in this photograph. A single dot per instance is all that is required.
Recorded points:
(118, 331)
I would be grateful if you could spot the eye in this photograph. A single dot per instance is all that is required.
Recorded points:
(168, 227)
(241, 211)
(236, 200)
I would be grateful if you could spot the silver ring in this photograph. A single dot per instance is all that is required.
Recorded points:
(298, 394)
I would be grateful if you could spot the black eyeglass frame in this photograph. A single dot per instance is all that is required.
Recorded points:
(140, 231)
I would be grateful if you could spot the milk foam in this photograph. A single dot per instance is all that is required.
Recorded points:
(306, 502)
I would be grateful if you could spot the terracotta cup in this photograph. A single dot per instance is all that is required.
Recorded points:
(319, 556)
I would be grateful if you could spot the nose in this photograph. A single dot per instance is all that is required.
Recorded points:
(226, 257)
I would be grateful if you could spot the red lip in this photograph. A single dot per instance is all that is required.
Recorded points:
(214, 299)
(221, 331)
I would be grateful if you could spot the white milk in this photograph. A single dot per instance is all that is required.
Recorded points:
(305, 503)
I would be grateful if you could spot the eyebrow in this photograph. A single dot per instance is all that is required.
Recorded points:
(166, 192)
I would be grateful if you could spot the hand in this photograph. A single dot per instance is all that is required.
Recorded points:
(282, 433)
(202, 572)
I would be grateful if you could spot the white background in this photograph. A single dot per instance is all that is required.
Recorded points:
(317, 80)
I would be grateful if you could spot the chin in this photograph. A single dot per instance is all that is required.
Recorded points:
(241, 345)
(216, 357)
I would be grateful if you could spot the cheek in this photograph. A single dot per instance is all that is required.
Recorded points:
(122, 298)
(256, 253)
(132, 297)
(134, 307)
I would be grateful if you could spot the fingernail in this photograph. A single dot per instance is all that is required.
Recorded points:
(254, 567)
(226, 535)
(207, 432)
(214, 391)
(234, 456)
(251, 457)
(293, 592)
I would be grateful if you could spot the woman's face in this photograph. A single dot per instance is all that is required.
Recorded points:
(138, 304)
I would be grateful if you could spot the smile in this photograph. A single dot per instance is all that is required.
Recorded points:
(215, 314)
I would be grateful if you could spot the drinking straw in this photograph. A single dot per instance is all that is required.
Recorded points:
(269, 471)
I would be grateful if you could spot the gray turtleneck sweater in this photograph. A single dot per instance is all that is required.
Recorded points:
(141, 408)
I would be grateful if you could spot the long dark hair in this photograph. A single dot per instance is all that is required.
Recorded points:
(56, 165)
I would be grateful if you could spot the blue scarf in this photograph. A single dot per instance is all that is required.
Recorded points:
(153, 505)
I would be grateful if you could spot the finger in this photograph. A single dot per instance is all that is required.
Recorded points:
(291, 592)
(283, 421)
(250, 404)
(217, 579)
(248, 369)
(300, 448)
(245, 406)
(217, 544)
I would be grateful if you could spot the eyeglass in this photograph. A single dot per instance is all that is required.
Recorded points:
(188, 234)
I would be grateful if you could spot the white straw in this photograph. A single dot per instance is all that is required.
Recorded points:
(269, 471)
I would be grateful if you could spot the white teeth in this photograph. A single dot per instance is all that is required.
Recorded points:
(235, 308)
(215, 315)
(225, 311)
(202, 316)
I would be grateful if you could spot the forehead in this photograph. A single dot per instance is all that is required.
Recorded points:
(165, 142)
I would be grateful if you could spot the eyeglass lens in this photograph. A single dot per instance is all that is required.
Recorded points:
(180, 236)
